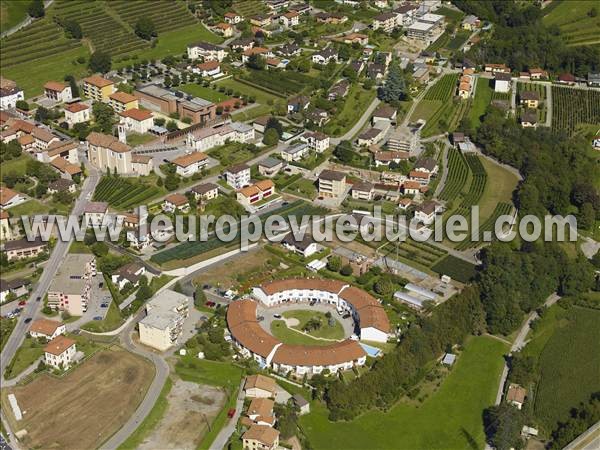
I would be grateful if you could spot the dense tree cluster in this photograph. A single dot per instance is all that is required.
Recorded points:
(522, 41)
(392, 375)
(394, 89)
(100, 62)
(557, 169)
(582, 417)
(145, 28)
(503, 424)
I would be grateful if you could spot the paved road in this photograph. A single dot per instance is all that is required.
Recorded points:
(366, 115)
(226, 432)
(442, 182)
(519, 342)
(160, 377)
(589, 440)
(58, 254)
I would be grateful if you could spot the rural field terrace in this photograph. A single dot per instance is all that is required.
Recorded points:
(85, 407)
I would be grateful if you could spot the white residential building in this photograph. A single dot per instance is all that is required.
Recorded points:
(295, 152)
(70, 290)
(58, 91)
(77, 113)
(136, 120)
(165, 315)
(60, 352)
(316, 140)
(208, 52)
(190, 163)
(238, 176)
(48, 329)
(10, 94)
(204, 139)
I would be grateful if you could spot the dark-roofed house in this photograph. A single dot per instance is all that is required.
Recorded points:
(269, 167)
(332, 183)
(206, 51)
(304, 246)
(529, 118)
(529, 99)
(129, 273)
(298, 103)
(205, 191)
(385, 112)
(94, 213)
(61, 185)
(370, 136)
(324, 56)
(363, 190)
(428, 165)
(301, 403)
(238, 176)
(376, 71)
(22, 248)
(338, 90)
(426, 211)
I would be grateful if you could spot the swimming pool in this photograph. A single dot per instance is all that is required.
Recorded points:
(374, 352)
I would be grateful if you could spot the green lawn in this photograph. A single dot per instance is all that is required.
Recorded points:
(448, 419)
(232, 153)
(357, 100)
(328, 332)
(112, 321)
(12, 12)
(499, 188)
(483, 97)
(206, 93)
(151, 420)
(303, 187)
(29, 208)
(25, 356)
(281, 331)
(569, 354)
(261, 96)
(32, 75)
(202, 371)
(16, 165)
(175, 43)
(257, 110)
(135, 139)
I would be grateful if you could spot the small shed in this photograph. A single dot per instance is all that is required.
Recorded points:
(301, 403)
(448, 359)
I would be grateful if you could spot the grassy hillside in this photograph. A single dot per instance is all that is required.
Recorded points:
(42, 52)
(575, 21)
(12, 12)
(450, 418)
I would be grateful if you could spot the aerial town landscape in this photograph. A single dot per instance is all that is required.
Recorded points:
(140, 138)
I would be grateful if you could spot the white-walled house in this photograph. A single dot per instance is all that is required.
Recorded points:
(426, 212)
(238, 176)
(57, 91)
(208, 52)
(60, 352)
(502, 82)
(316, 140)
(46, 328)
(137, 120)
(190, 163)
(77, 113)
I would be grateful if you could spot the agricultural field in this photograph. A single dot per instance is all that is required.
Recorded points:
(423, 254)
(576, 24)
(438, 106)
(569, 333)
(248, 8)
(458, 174)
(105, 32)
(114, 381)
(470, 196)
(123, 193)
(165, 19)
(448, 418)
(456, 268)
(574, 107)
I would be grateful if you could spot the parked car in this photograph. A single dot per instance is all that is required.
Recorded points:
(231, 413)
(104, 305)
(22, 303)
(101, 284)
(28, 320)
(38, 299)
(206, 286)
(277, 316)
(210, 304)
(98, 318)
